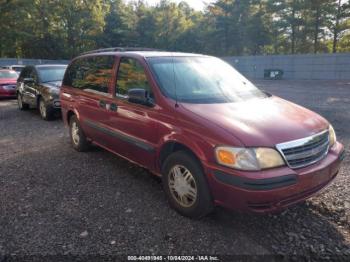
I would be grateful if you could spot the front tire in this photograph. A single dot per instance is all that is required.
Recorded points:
(46, 111)
(77, 136)
(21, 105)
(185, 185)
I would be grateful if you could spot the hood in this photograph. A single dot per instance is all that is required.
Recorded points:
(8, 80)
(53, 84)
(262, 122)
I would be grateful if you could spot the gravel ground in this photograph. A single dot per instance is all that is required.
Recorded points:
(55, 201)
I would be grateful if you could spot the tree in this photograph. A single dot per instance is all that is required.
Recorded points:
(117, 25)
(65, 28)
(10, 39)
(341, 16)
(320, 11)
(81, 22)
(145, 26)
(258, 31)
(171, 22)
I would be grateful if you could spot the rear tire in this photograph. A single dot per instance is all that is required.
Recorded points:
(77, 136)
(21, 105)
(185, 185)
(46, 111)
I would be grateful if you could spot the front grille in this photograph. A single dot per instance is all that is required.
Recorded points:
(303, 152)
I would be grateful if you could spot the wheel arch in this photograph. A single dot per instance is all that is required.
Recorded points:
(173, 146)
(69, 114)
(37, 99)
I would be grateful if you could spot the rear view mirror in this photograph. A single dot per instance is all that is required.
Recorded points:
(139, 96)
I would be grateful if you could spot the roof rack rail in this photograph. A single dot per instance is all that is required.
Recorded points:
(119, 49)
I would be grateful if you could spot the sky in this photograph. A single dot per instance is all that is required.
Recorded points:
(196, 4)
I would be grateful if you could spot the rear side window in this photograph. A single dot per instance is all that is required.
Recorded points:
(92, 74)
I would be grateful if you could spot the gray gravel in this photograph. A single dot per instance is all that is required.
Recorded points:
(55, 201)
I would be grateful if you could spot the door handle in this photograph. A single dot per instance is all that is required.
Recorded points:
(113, 107)
(102, 104)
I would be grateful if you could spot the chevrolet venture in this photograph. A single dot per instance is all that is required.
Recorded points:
(213, 137)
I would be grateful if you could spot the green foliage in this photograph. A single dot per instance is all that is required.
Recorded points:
(61, 29)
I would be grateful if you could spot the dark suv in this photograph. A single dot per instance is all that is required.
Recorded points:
(38, 86)
(213, 137)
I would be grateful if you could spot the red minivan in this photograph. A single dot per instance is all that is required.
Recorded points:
(213, 137)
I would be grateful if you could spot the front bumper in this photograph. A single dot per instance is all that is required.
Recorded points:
(54, 102)
(274, 189)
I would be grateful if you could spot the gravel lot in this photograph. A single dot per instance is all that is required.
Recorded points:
(56, 201)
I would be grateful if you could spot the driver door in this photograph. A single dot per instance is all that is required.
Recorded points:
(134, 125)
(28, 86)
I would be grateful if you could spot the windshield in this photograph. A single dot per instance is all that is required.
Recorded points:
(8, 74)
(202, 80)
(51, 74)
(18, 69)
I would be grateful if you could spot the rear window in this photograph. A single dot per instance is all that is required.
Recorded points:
(8, 74)
(92, 74)
(18, 69)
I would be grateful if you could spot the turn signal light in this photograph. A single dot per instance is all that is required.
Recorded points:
(226, 157)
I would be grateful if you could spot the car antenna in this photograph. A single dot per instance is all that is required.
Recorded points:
(172, 58)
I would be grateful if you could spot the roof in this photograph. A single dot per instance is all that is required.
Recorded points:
(163, 54)
(7, 70)
(16, 65)
(49, 65)
(141, 51)
(145, 54)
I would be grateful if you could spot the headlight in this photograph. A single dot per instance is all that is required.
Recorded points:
(332, 136)
(54, 91)
(248, 158)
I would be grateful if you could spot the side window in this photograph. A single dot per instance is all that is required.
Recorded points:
(74, 73)
(33, 75)
(24, 74)
(131, 74)
(92, 74)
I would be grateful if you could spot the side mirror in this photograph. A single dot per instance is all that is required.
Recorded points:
(266, 93)
(139, 96)
(28, 80)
